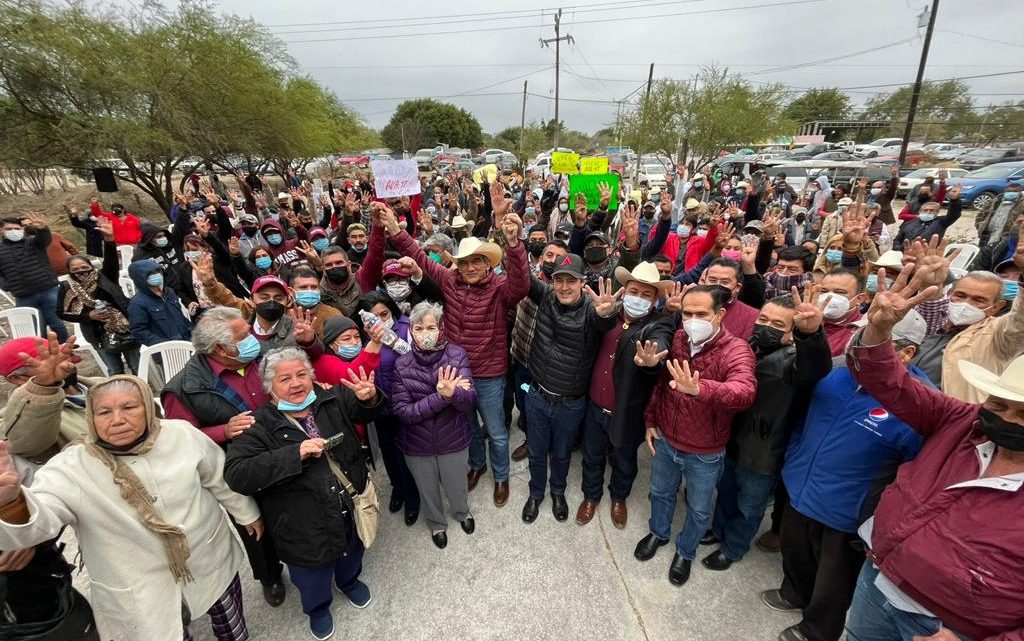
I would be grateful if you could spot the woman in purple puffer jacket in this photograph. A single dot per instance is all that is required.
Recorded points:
(432, 394)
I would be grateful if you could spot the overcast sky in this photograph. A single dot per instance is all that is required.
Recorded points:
(362, 50)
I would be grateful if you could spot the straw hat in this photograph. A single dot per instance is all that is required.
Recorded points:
(646, 273)
(474, 246)
(1008, 386)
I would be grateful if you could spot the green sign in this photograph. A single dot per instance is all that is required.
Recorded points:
(587, 185)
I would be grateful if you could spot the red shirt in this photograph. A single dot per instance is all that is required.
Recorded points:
(602, 387)
(127, 231)
(245, 382)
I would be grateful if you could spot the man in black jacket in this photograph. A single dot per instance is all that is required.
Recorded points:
(928, 222)
(624, 375)
(26, 273)
(792, 356)
(566, 338)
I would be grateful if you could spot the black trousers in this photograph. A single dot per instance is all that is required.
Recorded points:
(779, 507)
(401, 478)
(266, 566)
(820, 569)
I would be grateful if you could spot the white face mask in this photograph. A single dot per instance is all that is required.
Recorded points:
(698, 330)
(683, 231)
(14, 235)
(961, 314)
(837, 306)
(563, 207)
(398, 290)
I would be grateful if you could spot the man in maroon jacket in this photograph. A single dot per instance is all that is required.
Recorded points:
(710, 379)
(946, 550)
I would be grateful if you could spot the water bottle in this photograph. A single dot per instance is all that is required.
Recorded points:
(390, 338)
(100, 306)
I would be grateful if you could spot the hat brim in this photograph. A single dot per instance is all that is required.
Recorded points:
(624, 276)
(987, 381)
(488, 250)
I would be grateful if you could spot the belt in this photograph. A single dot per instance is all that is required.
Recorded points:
(554, 399)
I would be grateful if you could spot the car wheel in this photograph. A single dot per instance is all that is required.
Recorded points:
(983, 200)
(873, 154)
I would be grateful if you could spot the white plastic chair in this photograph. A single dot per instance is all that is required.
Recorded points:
(967, 254)
(174, 355)
(7, 295)
(127, 284)
(82, 344)
(124, 255)
(24, 321)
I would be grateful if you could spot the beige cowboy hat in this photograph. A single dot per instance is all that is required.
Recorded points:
(1009, 385)
(474, 246)
(891, 259)
(646, 273)
(458, 222)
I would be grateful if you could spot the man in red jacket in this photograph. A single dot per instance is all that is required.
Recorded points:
(710, 379)
(946, 550)
(127, 227)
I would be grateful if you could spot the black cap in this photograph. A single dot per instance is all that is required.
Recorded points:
(598, 235)
(569, 264)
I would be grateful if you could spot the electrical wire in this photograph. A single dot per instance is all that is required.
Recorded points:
(977, 37)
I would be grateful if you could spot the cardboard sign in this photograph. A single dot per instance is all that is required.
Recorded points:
(562, 162)
(595, 165)
(487, 173)
(587, 185)
(392, 178)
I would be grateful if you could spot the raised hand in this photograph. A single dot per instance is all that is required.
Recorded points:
(606, 195)
(647, 355)
(202, 226)
(683, 380)
(447, 379)
(954, 193)
(310, 251)
(302, 325)
(106, 228)
(772, 223)
(361, 384)
(856, 223)
(748, 256)
(725, 231)
(674, 298)
(931, 259)
(376, 334)
(809, 312)
(631, 227)
(203, 267)
(387, 218)
(580, 210)
(351, 204)
(891, 304)
(665, 205)
(52, 364)
(234, 246)
(498, 203)
(510, 225)
(426, 224)
(604, 299)
(410, 267)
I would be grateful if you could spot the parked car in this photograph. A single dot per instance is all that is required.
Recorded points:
(798, 173)
(936, 148)
(845, 145)
(877, 147)
(653, 172)
(981, 157)
(915, 158)
(357, 160)
(982, 186)
(541, 166)
(834, 155)
(424, 159)
(952, 154)
(916, 177)
(507, 161)
(491, 155)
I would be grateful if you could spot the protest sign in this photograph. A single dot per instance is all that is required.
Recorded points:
(393, 178)
(596, 165)
(562, 162)
(587, 185)
(487, 173)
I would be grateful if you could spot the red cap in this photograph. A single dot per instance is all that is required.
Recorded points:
(9, 359)
(264, 281)
(394, 269)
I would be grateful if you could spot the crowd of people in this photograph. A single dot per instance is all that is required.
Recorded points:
(764, 346)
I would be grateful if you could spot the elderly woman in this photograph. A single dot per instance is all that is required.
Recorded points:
(144, 497)
(432, 396)
(304, 489)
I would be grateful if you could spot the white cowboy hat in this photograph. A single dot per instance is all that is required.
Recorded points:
(891, 259)
(458, 222)
(474, 246)
(646, 273)
(1008, 386)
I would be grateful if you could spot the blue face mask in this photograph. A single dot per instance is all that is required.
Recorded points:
(248, 349)
(274, 239)
(834, 256)
(348, 352)
(264, 262)
(1010, 288)
(160, 242)
(926, 218)
(321, 244)
(286, 406)
(871, 284)
(155, 280)
(530, 211)
(1011, 196)
(655, 198)
(308, 299)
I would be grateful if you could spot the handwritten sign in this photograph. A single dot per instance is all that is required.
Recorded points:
(596, 165)
(587, 185)
(393, 178)
(562, 162)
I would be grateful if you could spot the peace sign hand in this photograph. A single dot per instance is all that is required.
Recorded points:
(683, 380)
(361, 384)
(647, 355)
(604, 300)
(809, 313)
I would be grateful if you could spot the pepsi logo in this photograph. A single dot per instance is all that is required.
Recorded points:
(878, 414)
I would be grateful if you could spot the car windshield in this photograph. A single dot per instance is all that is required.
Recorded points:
(879, 142)
(993, 171)
(919, 173)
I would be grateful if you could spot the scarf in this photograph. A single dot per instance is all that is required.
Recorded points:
(82, 297)
(131, 488)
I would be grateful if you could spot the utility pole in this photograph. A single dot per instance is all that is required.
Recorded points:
(402, 127)
(917, 83)
(522, 124)
(650, 79)
(558, 42)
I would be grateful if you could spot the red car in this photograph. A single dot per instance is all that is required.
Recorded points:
(362, 161)
(915, 158)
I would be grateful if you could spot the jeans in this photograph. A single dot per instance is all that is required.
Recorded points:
(111, 357)
(596, 444)
(668, 469)
(490, 393)
(553, 428)
(743, 497)
(46, 302)
(873, 618)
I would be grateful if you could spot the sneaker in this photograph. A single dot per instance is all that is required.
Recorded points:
(359, 595)
(322, 627)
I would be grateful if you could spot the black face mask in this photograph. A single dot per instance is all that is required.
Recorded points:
(800, 218)
(766, 338)
(595, 255)
(270, 310)
(923, 198)
(536, 248)
(337, 275)
(547, 268)
(1007, 435)
(72, 379)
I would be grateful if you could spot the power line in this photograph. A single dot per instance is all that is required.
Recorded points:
(812, 63)
(976, 37)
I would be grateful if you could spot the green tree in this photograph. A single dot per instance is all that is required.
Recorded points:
(818, 104)
(944, 109)
(1001, 123)
(428, 122)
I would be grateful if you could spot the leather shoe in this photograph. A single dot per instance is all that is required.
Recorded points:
(395, 503)
(647, 546)
(792, 633)
(774, 600)
(530, 509)
(679, 571)
(274, 593)
(474, 476)
(769, 542)
(585, 512)
(469, 525)
(520, 452)
(500, 493)
(717, 561)
(440, 539)
(619, 514)
(559, 507)
(412, 517)
(709, 538)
